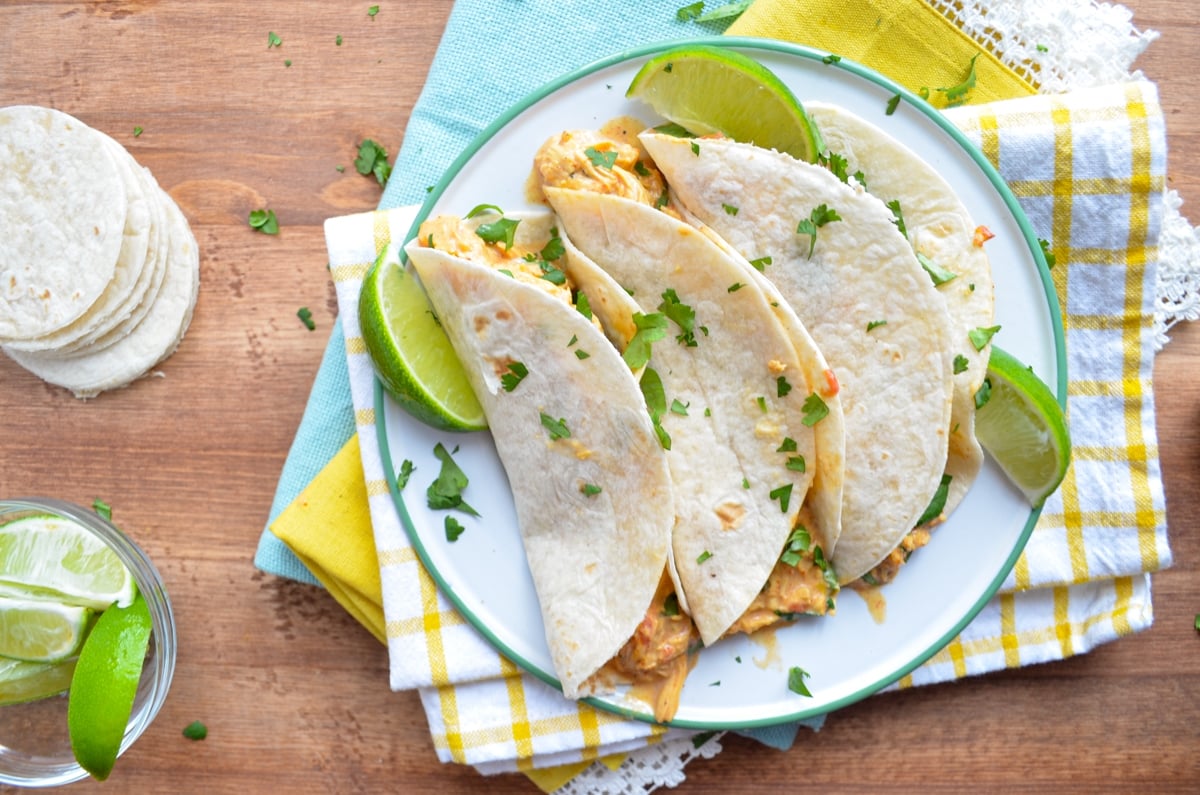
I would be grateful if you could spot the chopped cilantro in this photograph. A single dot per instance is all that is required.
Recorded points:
(796, 677)
(306, 318)
(1042, 48)
(983, 394)
(796, 463)
(703, 556)
(783, 494)
(102, 509)
(715, 684)
(787, 446)
(679, 407)
(671, 605)
(556, 428)
(372, 11)
(892, 104)
(480, 209)
(814, 409)
(372, 159)
(762, 403)
(798, 542)
(817, 218)
(516, 373)
(264, 221)
(671, 128)
(338, 40)
(938, 503)
(501, 231)
(980, 337)
(406, 470)
(582, 305)
(454, 529)
(650, 329)
(653, 393)
(831, 59)
(695, 148)
(273, 40)
(640, 169)
(960, 364)
(590, 489)
(745, 483)
(682, 315)
(445, 493)
(730, 209)
(195, 730)
(874, 324)
(574, 339)
(690, 12)
(936, 272)
(898, 216)
(581, 354)
(605, 159)
(554, 248)
(718, 14)
(782, 387)
(760, 263)
(957, 94)
(137, 132)
(287, 61)
(733, 288)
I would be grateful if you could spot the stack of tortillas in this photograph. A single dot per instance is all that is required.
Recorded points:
(99, 271)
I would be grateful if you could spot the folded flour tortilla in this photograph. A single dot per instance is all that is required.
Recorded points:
(589, 479)
(870, 307)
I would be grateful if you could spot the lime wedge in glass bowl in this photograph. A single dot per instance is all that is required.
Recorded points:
(712, 90)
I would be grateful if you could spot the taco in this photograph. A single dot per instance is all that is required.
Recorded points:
(951, 247)
(737, 404)
(834, 253)
(589, 478)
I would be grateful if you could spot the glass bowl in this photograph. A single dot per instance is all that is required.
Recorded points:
(35, 749)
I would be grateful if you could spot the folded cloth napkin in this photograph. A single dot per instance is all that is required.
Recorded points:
(1074, 162)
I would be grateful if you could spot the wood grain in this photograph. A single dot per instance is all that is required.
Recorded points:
(293, 691)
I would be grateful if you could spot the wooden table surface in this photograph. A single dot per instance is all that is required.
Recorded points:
(293, 691)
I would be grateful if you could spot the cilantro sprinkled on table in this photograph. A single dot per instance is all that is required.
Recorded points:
(516, 373)
(273, 40)
(819, 217)
(814, 409)
(102, 509)
(602, 159)
(338, 40)
(195, 730)
(137, 132)
(373, 159)
(556, 428)
(372, 11)
(796, 677)
(957, 94)
(306, 318)
(264, 221)
(445, 493)
(980, 337)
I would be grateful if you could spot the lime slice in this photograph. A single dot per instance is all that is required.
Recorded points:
(22, 681)
(49, 557)
(1023, 427)
(711, 90)
(104, 685)
(41, 631)
(411, 353)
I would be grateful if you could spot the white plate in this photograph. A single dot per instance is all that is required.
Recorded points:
(742, 682)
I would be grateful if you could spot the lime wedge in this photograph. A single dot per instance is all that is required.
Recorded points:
(41, 631)
(1023, 427)
(48, 557)
(105, 684)
(710, 90)
(22, 681)
(411, 353)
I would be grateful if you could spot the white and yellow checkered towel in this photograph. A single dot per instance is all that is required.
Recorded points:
(1089, 171)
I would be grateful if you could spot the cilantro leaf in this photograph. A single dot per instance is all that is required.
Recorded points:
(406, 470)
(798, 542)
(796, 463)
(898, 216)
(831, 59)
(679, 407)
(102, 509)
(957, 94)
(936, 272)
(601, 159)
(480, 209)
(554, 247)
(1046, 254)
(556, 428)
(796, 677)
(454, 529)
(787, 446)
(445, 493)
(264, 221)
(722, 12)
(501, 231)
(960, 364)
(306, 317)
(937, 504)
(730, 209)
(816, 219)
(814, 409)
(582, 305)
(703, 556)
(653, 393)
(650, 329)
(783, 494)
(273, 40)
(682, 315)
(590, 489)
(373, 159)
(892, 104)
(874, 324)
(983, 394)
(516, 373)
(195, 730)
(671, 605)
(980, 337)
(760, 263)
(782, 387)
(690, 11)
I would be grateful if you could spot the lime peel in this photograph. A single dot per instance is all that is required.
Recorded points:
(1023, 428)
(714, 90)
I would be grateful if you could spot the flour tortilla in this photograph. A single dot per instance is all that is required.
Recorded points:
(62, 219)
(724, 455)
(941, 228)
(158, 334)
(896, 379)
(596, 561)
